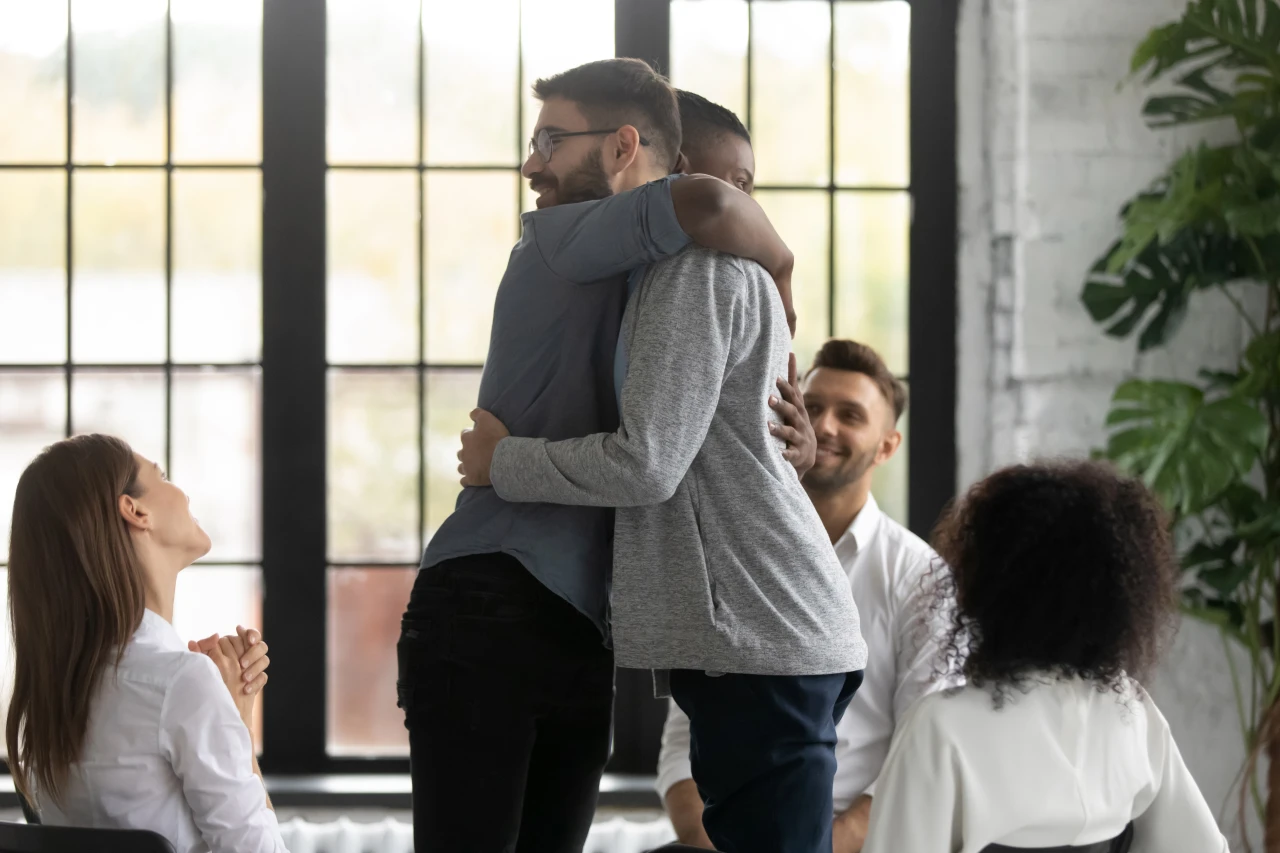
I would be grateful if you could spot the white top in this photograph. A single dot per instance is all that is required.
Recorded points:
(166, 751)
(1064, 764)
(886, 565)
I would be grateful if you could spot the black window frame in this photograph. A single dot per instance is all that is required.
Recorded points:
(294, 365)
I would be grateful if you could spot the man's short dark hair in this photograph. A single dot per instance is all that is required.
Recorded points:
(837, 354)
(616, 92)
(704, 123)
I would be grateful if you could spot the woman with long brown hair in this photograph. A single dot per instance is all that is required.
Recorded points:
(115, 721)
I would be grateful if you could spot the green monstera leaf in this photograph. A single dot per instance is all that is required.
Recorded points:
(1187, 449)
(1152, 289)
(1260, 368)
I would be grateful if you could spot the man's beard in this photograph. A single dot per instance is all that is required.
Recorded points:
(850, 471)
(588, 182)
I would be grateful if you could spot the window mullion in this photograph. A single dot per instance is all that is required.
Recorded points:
(293, 395)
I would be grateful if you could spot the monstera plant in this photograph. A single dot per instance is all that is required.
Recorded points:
(1211, 448)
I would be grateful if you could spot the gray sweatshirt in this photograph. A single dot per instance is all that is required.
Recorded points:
(720, 560)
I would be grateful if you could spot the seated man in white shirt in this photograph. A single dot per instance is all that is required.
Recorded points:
(854, 403)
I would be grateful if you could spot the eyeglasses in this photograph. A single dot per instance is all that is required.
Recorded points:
(544, 141)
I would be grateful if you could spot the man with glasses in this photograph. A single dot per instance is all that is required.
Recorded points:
(506, 675)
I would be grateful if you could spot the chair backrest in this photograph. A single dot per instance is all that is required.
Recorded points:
(25, 838)
(1120, 844)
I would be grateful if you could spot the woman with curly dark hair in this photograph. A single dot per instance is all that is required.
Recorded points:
(1060, 594)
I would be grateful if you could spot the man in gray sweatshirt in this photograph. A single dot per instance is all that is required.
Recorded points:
(724, 581)
(505, 671)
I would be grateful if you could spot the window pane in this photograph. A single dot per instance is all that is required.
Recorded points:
(471, 226)
(790, 90)
(373, 465)
(889, 482)
(119, 68)
(559, 35)
(802, 219)
(33, 415)
(871, 272)
(128, 405)
(872, 94)
(214, 600)
(529, 199)
(478, 43)
(117, 294)
(373, 81)
(217, 265)
(709, 50)
(33, 81)
(451, 395)
(33, 279)
(217, 81)
(217, 456)
(365, 606)
(373, 268)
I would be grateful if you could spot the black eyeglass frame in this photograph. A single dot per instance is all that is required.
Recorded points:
(553, 136)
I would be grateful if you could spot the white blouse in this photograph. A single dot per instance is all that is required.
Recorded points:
(1063, 764)
(166, 751)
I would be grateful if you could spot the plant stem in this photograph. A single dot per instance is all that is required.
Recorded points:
(1253, 327)
(1246, 729)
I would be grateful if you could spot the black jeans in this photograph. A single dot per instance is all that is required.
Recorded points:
(507, 693)
(762, 750)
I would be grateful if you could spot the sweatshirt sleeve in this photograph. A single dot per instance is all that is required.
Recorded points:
(687, 314)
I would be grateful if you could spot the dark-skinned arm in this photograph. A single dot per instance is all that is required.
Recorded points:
(594, 241)
(722, 217)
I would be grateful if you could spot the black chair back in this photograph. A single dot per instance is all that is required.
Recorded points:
(1120, 844)
(26, 838)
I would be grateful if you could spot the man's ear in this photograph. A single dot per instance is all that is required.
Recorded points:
(888, 447)
(682, 165)
(628, 148)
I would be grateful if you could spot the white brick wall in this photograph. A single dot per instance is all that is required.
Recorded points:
(1049, 148)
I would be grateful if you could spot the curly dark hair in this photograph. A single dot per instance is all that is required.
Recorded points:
(1056, 570)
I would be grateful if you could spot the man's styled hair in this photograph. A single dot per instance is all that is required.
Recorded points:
(837, 354)
(704, 122)
(616, 92)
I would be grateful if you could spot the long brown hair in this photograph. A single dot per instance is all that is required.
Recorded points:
(76, 596)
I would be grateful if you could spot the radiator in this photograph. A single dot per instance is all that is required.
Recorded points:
(616, 835)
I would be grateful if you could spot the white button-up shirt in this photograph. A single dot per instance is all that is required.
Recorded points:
(887, 566)
(1060, 764)
(166, 751)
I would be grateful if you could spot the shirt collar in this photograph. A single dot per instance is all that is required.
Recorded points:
(864, 526)
(155, 630)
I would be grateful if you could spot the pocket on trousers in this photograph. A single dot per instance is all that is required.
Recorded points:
(419, 672)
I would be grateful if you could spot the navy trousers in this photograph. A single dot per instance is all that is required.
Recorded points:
(762, 749)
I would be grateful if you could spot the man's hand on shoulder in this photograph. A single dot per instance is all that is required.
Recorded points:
(478, 446)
